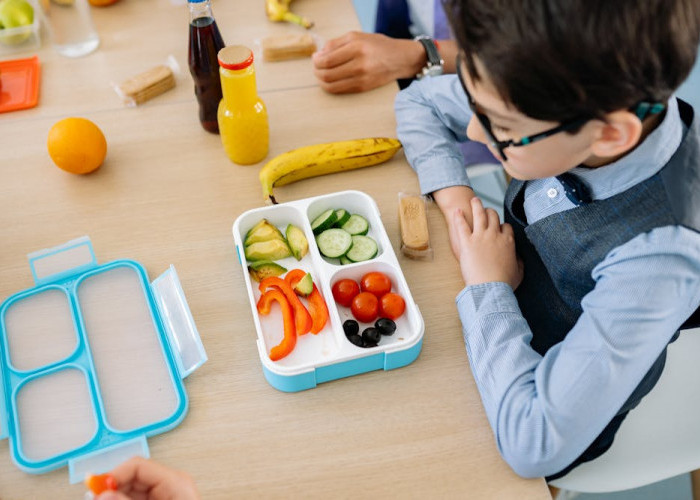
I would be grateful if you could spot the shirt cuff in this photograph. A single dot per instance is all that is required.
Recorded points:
(477, 301)
(439, 172)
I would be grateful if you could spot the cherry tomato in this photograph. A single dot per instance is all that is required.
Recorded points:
(391, 305)
(344, 291)
(376, 283)
(365, 307)
(100, 483)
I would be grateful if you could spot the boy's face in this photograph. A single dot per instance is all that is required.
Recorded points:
(548, 157)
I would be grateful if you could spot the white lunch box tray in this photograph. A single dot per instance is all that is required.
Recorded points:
(329, 355)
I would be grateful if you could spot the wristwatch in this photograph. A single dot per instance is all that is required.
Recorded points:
(434, 64)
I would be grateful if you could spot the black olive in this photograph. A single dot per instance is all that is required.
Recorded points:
(351, 327)
(357, 340)
(371, 336)
(385, 326)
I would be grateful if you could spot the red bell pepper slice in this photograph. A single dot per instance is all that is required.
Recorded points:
(302, 318)
(290, 336)
(317, 306)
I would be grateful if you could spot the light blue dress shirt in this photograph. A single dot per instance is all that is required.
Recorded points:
(546, 410)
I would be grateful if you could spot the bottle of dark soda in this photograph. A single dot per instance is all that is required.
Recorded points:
(205, 44)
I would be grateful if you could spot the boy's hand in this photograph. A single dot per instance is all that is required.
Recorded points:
(448, 199)
(143, 479)
(486, 252)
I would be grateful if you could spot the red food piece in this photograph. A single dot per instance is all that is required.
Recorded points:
(302, 319)
(391, 306)
(344, 291)
(376, 283)
(100, 483)
(365, 307)
(317, 305)
(290, 336)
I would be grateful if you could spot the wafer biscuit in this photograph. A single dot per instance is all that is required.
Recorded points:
(413, 222)
(283, 47)
(147, 85)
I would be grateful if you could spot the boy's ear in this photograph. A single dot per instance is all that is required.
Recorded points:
(619, 134)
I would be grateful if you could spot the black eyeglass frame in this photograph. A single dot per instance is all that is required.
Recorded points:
(641, 109)
(524, 141)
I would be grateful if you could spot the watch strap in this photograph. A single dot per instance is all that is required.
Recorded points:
(434, 62)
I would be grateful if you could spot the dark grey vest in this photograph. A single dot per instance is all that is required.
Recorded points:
(560, 251)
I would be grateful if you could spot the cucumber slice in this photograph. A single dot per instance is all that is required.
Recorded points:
(363, 248)
(341, 216)
(334, 242)
(356, 224)
(323, 221)
(344, 260)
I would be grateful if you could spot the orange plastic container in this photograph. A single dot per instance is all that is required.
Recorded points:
(19, 84)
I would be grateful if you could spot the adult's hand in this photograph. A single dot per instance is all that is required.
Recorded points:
(357, 62)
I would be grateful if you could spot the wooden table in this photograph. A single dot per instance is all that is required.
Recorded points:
(168, 194)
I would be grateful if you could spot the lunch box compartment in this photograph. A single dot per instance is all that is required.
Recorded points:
(44, 318)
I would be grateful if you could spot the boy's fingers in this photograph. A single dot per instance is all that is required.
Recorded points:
(112, 495)
(493, 220)
(507, 229)
(479, 217)
(140, 473)
(463, 231)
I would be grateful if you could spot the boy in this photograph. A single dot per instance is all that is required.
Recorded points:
(567, 309)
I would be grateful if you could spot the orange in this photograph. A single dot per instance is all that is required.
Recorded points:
(77, 145)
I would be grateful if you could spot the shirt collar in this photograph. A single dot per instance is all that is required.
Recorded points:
(643, 162)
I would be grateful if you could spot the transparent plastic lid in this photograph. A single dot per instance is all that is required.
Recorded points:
(92, 360)
(133, 378)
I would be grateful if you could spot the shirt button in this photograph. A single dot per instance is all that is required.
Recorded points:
(552, 192)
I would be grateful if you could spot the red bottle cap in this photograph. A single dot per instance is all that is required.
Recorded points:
(235, 57)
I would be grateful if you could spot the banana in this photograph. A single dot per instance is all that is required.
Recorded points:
(322, 159)
(278, 11)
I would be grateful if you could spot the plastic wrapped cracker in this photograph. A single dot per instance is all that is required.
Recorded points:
(413, 224)
(149, 84)
(284, 47)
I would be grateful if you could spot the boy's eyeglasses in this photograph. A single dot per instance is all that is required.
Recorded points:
(524, 141)
(641, 109)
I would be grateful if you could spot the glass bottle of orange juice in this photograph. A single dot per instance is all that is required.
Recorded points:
(242, 115)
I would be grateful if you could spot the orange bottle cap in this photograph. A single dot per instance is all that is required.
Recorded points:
(235, 57)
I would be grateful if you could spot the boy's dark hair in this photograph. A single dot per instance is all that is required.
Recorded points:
(560, 59)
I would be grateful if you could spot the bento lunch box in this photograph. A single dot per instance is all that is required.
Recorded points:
(329, 355)
(92, 361)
